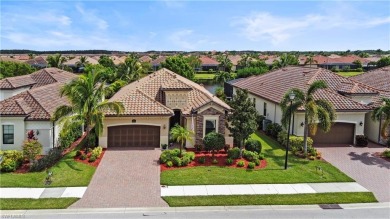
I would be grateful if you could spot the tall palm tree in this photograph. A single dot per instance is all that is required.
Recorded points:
(222, 76)
(245, 60)
(225, 63)
(383, 112)
(131, 69)
(318, 112)
(181, 135)
(87, 105)
(285, 60)
(56, 60)
(82, 62)
(310, 60)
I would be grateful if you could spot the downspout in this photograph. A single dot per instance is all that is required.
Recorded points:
(53, 134)
(275, 114)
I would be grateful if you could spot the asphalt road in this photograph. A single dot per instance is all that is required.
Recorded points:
(245, 212)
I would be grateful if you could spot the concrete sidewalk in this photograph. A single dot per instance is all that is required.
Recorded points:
(261, 189)
(61, 192)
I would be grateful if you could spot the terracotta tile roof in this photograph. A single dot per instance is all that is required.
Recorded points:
(37, 79)
(145, 59)
(151, 86)
(73, 62)
(378, 78)
(207, 61)
(273, 85)
(9, 59)
(157, 61)
(234, 59)
(39, 60)
(175, 85)
(35, 104)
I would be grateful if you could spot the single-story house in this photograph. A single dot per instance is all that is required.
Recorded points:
(351, 100)
(37, 62)
(380, 80)
(208, 63)
(15, 85)
(155, 103)
(157, 62)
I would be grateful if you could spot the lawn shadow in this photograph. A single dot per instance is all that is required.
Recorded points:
(71, 165)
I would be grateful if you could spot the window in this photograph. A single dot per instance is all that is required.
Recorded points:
(254, 102)
(265, 109)
(211, 126)
(8, 134)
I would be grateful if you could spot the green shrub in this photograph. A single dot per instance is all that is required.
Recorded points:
(92, 158)
(97, 151)
(69, 135)
(297, 142)
(214, 161)
(214, 142)
(257, 162)
(386, 153)
(83, 157)
(169, 164)
(261, 157)
(168, 155)
(361, 141)
(202, 160)
(273, 130)
(31, 149)
(177, 162)
(189, 155)
(359, 69)
(12, 159)
(185, 161)
(259, 121)
(49, 160)
(240, 163)
(253, 145)
(8, 165)
(234, 153)
(251, 165)
(78, 153)
(282, 138)
(229, 161)
(312, 151)
(250, 155)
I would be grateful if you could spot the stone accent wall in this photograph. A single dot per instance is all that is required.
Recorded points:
(199, 123)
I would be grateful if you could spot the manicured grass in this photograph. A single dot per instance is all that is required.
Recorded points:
(66, 172)
(204, 76)
(42, 203)
(295, 199)
(299, 170)
(349, 73)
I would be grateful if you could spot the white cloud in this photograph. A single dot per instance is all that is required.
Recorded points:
(92, 18)
(278, 29)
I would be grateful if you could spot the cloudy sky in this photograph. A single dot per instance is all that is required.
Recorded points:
(195, 25)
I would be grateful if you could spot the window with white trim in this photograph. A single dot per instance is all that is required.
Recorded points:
(211, 126)
(8, 134)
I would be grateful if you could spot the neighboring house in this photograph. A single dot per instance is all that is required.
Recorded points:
(157, 62)
(37, 62)
(15, 85)
(349, 98)
(342, 62)
(380, 80)
(235, 59)
(155, 103)
(208, 63)
(145, 58)
(30, 110)
(72, 63)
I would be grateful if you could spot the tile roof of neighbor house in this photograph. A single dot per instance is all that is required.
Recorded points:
(9, 59)
(234, 59)
(37, 79)
(145, 59)
(158, 61)
(38, 60)
(36, 104)
(73, 62)
(207, 61)
(145, 97)
(273, 85)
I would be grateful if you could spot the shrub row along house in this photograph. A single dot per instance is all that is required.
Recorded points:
(152, 106)
(353, 100)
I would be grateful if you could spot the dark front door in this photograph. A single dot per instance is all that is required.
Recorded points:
(134, 136)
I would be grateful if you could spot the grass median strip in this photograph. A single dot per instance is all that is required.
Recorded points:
(42, 203)
(294, 199)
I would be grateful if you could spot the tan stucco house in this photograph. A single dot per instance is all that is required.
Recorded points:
(351, 100)
(157, 102)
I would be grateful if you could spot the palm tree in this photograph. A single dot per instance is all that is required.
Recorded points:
(181, 135)
(244, 61)
(383, 112)
(56, 60)
(222, 76)
(87, 105)
(82, 62)
(285, 60)
(131, 69)
(225, 63)
(318, 112)
(310, 60)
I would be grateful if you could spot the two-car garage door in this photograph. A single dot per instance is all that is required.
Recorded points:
(134, 136)
(340, 133)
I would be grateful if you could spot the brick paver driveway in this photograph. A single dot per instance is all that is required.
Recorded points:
(125, 178)
(359, 163)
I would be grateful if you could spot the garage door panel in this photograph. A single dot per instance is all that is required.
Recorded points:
(134, 136)
(340, 133)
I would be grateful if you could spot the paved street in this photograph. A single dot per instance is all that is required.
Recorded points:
(359, 163)
(125, 178)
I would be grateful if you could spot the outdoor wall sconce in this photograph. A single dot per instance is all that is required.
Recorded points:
(164, 126)
(361, 123)
(37, 132)
(302, 124)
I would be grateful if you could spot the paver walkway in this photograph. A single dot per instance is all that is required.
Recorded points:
(60, 192)
(261, 189)
(359, 163)
(125, 178)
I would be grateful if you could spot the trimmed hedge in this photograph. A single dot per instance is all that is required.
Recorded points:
(234, 153)
(361, 141)
(172, 156)
(12, 159)
(253, 145)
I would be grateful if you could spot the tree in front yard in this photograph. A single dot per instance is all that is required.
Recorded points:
(214, 142)
(179, 65)
(87, 105)
(242, 121)
(318, 112)
(31, 147)
(181, 135)
(383, 112)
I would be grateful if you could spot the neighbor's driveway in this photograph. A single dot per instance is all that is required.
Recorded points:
(125, 178)
(359, 163)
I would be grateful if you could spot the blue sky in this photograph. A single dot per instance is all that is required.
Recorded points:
(195, 25)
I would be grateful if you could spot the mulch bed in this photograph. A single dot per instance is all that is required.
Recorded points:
(220, 157)
(25, 167)
(379, 154)
(86, 161)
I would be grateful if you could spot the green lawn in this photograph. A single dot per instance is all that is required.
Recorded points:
(299, 171)
(349, 73)
(205, 76)
(295, 199)
(66, 172)
(42, 203)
